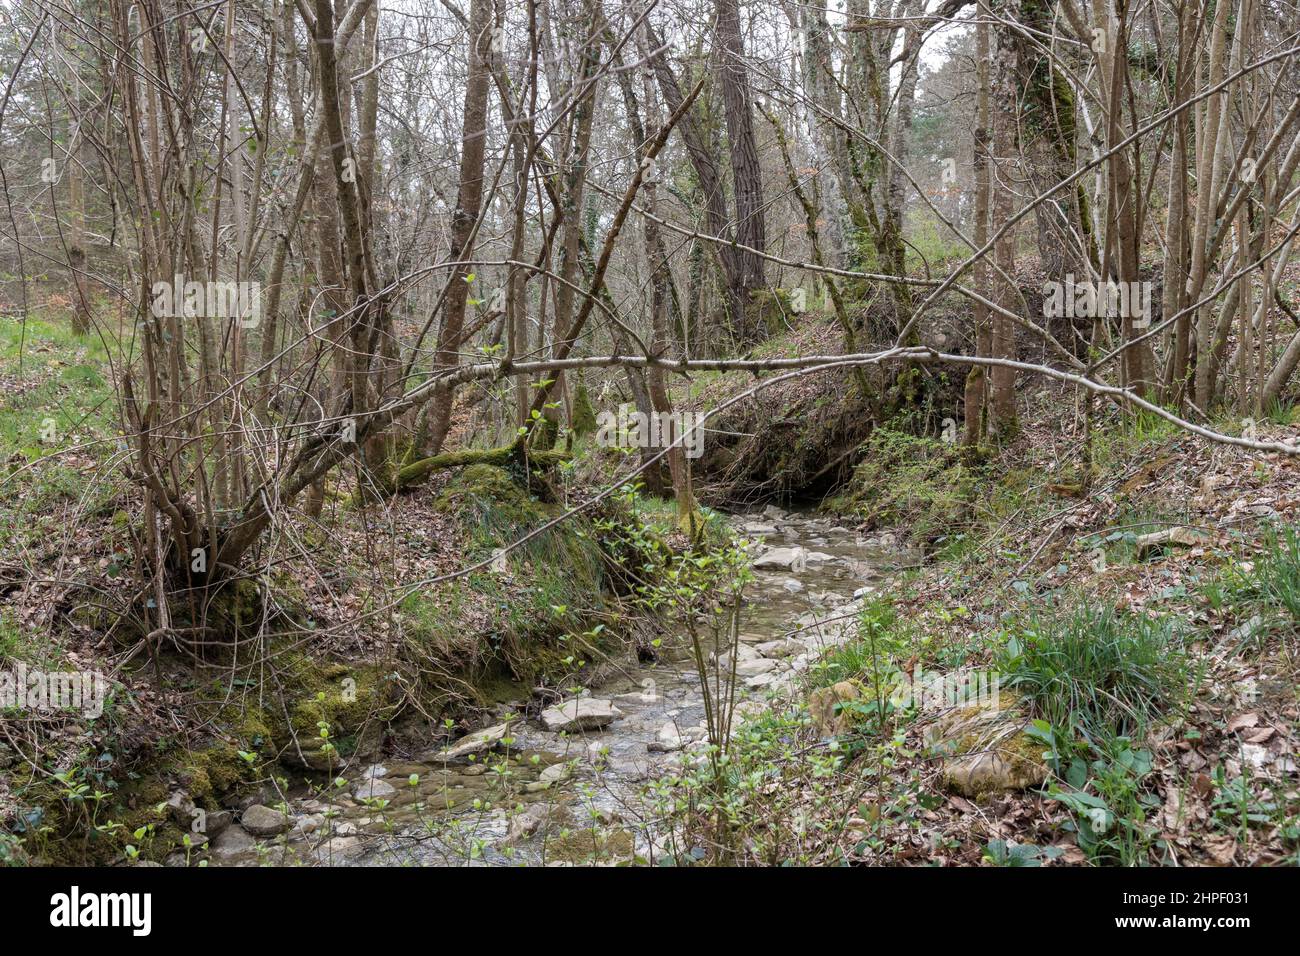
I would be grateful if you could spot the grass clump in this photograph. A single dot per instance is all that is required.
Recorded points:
(1102, 671)
(1268, 586)
(1097, 679)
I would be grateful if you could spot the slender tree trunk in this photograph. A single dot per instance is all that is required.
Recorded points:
(469, 200)
(1004, 93)
(746, 174)
(976, 396)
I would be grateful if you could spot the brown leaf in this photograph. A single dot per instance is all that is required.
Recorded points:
(1242, 720)
(1072, 855)
(1222, 849)
(961, 803)
(1193, 760)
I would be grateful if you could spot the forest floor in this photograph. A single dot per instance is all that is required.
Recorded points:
(1143, 632)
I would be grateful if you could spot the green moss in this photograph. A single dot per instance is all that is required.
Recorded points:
(912, 482)
(352, 702)
(484, 484)
(584, 413)
(769, 311)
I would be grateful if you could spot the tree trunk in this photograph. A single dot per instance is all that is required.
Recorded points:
(469, 200)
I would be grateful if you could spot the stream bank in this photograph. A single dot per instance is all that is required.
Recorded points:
(567, 785)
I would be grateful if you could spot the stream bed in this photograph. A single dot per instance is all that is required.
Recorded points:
(529, 794)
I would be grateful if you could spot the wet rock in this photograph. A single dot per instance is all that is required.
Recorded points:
(372, 786)
(775, 513)
(216, 822)
(340, 848)
(367, 746)
(181, 809)
(548, 778)
(631, 769)
(758, 527)
(778, 648)
(580, 713)
(791, 585)
(373, 789)
(309, 823)
(818, 557)
(986, 750)
(263, 794)
(262, 821)
(554, 773)
(538, 818)
(668, 740)
(476, 742)
(754, 667)
(772, 680)
(231, 842)
(781, 559)
(743, 653)
(750, 709)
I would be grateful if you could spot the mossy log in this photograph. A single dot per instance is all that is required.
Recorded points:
(417, 472)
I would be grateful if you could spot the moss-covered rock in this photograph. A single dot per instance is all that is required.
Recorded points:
(986, 750)
(485, 484)
(341, 714)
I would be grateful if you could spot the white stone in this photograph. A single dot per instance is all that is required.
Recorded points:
(373, 789)
(759, 665)
(584, 713)
(667, 741)
(262, 821)
(781, 559)
(777, 648)
(476, 742)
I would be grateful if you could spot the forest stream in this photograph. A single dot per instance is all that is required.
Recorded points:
(539, 796)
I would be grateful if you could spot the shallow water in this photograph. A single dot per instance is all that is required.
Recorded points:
(508, 808)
